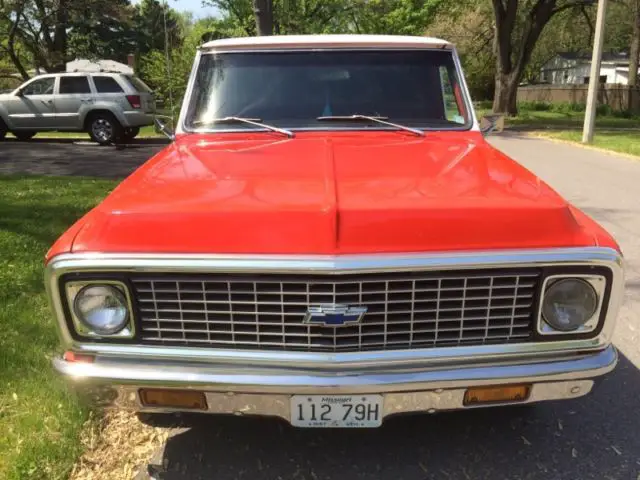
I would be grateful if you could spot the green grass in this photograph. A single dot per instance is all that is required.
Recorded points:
(40, 419)
(145, 132)
(617, 141)
(545, 119)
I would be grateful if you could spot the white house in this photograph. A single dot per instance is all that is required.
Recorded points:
(574, 69)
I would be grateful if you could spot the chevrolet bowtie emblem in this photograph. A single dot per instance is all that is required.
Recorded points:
(334, 315)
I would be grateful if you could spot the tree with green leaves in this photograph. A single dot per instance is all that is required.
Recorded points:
(518, 26)
(51, 30)
(93, 35)
(11, 20)
(154, 68)
(634, 55)
(149, 25)
(468, 25)
(395, 17)
(408, 17)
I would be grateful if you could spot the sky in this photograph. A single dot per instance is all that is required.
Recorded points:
(193, 6)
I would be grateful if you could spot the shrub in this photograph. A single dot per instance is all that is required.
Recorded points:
(604, 111)
(535, 106)
(483, 104)
(624, 114)
(568, 107)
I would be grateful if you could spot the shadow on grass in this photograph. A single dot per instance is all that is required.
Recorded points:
(34, 211)
(42, 223)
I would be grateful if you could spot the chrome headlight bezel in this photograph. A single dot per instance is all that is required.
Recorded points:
(599, 285)
(80, 327)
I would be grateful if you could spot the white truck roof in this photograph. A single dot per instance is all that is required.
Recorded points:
(324, 41)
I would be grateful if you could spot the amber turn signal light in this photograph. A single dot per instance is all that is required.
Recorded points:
(156, 397)
(498, 394)
(70, 356)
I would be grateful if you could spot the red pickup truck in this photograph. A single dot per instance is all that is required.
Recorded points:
(330, 239)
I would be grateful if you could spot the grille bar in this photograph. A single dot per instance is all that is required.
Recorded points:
(405, 309)
(319, 334)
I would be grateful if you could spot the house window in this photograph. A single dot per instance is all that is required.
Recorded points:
(603, 79)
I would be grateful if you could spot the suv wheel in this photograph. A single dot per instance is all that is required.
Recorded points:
(3, 129)
(104, 128)
(130, 133)
(24, 135)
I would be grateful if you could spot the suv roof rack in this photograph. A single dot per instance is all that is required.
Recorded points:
(102, 70)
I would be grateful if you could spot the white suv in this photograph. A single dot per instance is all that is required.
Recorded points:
(110, 107)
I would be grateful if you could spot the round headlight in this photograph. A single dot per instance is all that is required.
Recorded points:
(569, 303)
(102, 308)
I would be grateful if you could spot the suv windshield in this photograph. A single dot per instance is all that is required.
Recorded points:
(417, 88)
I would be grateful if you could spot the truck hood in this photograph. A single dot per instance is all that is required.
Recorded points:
(330, 194)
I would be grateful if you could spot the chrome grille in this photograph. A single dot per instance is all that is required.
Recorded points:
(405, 309)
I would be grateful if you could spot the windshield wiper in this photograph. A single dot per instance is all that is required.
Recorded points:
(251, 121)
(382, 120)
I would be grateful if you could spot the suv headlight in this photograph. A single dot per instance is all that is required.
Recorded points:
(571, 304)
(100, 309)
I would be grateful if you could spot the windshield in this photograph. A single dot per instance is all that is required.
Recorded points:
(417, 88)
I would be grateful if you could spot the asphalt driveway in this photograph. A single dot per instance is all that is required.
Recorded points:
(596, 437)
(59, 157)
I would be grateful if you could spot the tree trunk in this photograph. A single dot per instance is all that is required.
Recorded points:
(18, 64)
(506, 93)
(263, 10)
(11, 45)
(513, 53)
(634, 60)
(59, 53)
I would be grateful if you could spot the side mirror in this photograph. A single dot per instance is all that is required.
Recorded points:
(493, 123)
(19, 93)
(163, 128)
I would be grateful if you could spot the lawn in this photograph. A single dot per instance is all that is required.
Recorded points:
(614, 133)
(39, 419)
(618, 141)
(534, 120)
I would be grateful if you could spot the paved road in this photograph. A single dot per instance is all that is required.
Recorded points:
(597, 437)
(42, 157)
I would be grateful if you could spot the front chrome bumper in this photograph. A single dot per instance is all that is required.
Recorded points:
(266, 391)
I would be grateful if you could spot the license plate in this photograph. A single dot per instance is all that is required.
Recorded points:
(327, 411)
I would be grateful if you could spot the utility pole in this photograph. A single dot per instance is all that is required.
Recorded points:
(168, 59)
(594, 79)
